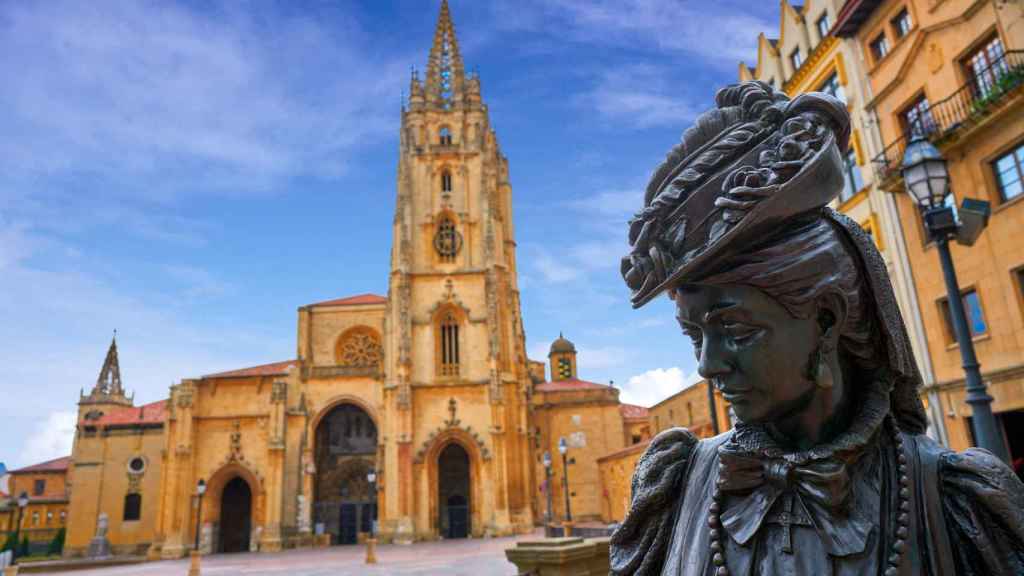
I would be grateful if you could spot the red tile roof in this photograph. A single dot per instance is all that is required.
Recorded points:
(56, 465)
(152, 413)
(353, 300)
(574, 384)
(272, 369)
(632, 411)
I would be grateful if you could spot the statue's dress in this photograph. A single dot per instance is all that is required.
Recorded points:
(966, 510)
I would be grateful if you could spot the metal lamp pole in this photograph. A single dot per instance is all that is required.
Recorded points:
(547, 483)
(200, 490)
(563, 448)
(926, 177)
(371, 542)
(22, 503)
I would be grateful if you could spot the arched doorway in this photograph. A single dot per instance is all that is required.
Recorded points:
(453, 502)
(235, 516)
(346, 451)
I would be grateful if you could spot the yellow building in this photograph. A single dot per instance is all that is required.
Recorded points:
(592, 422)
(808, 57)
(428, 387)
(46, 486)
(115, 466)
(689, 408)
(955, 70)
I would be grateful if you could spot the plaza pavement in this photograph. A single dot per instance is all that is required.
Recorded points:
(472, 557)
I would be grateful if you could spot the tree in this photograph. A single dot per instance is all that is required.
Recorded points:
(57, 544)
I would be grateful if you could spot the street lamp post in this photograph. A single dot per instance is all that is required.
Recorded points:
(371, 541)
(563, 448)
(926, 177)
(200, 490)
(547, 484)
(22, 503)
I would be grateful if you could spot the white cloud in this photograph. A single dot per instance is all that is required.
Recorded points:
(186, 100)
(722, 32)
(640, 96)
(50, 438)
(655, 385)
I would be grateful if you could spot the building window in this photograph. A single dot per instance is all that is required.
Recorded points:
(972, 309)
(564, 368)
(449, 329)
(637, 438)
(1009, 170)
(986, 66)
(823, 26)
(38, 487)
(852, 179)
(136, 465)
(880, 46)
(832, 86)
(917, 118)
(359, 347)
(49, 516)
(63, 516)
(795, 59)
(445, 136)
(447, 240)
(35, 518)
(132, 507)
(446, 181)
(902, 24)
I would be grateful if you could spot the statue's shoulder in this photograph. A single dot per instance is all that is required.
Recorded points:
(982, 507)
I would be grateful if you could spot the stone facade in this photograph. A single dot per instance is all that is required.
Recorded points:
(958, 67)
(427, 391)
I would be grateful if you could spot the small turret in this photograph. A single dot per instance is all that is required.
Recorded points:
(108, 388)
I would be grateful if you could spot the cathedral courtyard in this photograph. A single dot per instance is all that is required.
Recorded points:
(469, 557)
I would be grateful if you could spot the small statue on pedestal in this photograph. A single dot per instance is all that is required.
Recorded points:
(793, 319)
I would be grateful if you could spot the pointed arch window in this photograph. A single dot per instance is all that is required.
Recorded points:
(447, 240)
(449, 343)
(446, 181)
(445, 136)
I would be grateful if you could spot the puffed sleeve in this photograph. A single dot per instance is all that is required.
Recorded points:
(638, 545)
(983, 505)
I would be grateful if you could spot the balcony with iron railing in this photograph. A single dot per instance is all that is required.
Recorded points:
(949, 118)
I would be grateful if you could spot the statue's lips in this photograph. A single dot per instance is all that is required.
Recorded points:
(734, 395)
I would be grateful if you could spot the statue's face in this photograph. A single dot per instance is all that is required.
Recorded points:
(750, 348)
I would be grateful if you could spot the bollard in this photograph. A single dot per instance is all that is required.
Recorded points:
(371, 550)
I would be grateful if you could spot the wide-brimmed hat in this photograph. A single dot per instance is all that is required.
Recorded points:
(744, 168)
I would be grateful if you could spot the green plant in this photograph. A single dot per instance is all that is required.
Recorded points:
(57, 544)
(11, 543)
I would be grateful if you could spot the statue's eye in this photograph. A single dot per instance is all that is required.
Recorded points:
(741, 333)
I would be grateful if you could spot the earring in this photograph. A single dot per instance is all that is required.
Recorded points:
(823, 375)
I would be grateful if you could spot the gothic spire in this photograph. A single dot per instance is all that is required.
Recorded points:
(445, 73)
(109, 381)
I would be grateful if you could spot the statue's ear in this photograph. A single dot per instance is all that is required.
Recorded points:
(831, 316)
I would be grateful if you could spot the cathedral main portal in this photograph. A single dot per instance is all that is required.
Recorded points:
(453, 492)
(346, 451)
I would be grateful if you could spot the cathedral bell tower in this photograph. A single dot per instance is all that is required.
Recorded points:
(454, 337)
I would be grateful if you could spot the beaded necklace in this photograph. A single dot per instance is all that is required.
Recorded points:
(899, 545)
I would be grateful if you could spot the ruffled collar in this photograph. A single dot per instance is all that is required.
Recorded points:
(875, 407)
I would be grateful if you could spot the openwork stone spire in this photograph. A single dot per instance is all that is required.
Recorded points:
(108, 386)
(446, 75)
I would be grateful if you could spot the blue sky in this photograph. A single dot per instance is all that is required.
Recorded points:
(190, 174)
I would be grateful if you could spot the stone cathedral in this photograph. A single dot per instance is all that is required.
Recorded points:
(429, 387)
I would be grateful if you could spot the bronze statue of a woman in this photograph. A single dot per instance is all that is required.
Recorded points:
(792, 317)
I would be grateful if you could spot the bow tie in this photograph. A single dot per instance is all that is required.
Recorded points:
(821, 486)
